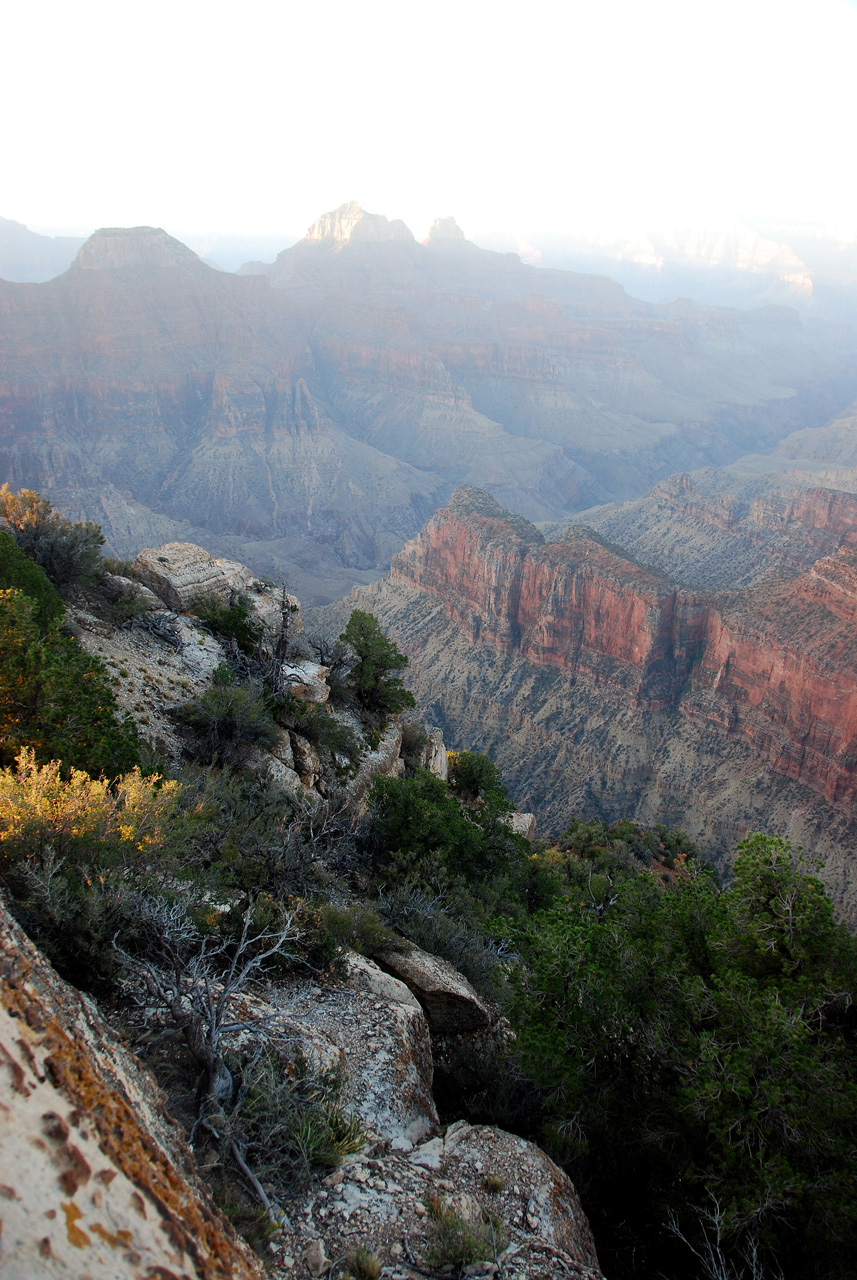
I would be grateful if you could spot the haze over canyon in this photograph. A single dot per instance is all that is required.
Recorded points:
(678, 649)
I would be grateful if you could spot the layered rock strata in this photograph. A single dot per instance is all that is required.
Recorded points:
(603, 688)
(774, 667)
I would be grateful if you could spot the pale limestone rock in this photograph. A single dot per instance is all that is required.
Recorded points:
(382, 760)
(364, 975)
(316, 1260)
(451, 1005)
(523, 824)
(434, 757)
(182, 574)
(382, 1194)
(282, 750)
(373, 1026)
(307, 763)
(283, 776)
(97, 1179)
(306, 680)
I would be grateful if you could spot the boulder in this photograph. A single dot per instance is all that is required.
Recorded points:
(181, 574)
(306, 680)
(122, 588)
(387, 1197)
(372, 1026)
(523, 824)
(451, 1005)
(282, 750)
(382, 760)
(97, 1179)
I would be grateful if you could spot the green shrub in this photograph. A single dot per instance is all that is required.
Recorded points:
(288, 1121)
(74, 853)
(694, 1042)
(21, 573)
(474, 777)
(70, 554)
(359, 928)
(414, 743)
(233, 621)
(362, 1264)
(229, 720)
(452, 1242)
(56, 699)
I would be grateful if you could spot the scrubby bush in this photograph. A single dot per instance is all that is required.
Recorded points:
(475, 777)
(358, 927)
(69, 553)
(55, 698)
(228, 720)
(335, 741)
(452, 1242)
(233, 621)
(75, 851)
(19, 572)
(414, 742)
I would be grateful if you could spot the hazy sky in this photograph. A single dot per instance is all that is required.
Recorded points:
(516, 118)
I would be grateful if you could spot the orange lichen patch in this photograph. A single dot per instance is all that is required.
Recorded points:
(76, 1237)
(48, 1013)
(118, 1239)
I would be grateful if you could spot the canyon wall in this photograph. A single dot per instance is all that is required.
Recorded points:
(306, 417)
(603, 688)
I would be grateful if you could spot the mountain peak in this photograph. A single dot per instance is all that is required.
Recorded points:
(351, 223)
(446, 230)
(113, 247)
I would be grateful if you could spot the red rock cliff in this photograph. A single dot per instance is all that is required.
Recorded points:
(776, 667)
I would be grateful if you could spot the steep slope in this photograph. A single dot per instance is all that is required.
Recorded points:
(309, 415)
(716, 529)
(186, 391)
(603, 688)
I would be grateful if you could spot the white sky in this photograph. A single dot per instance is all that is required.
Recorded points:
(210, 116)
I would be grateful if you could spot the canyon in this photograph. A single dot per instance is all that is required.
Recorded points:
(604, 689)
(307, 416)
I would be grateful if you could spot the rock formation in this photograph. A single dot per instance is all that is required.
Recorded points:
(97, 1179)
(307, 416)
(716, 529)
(602, 687)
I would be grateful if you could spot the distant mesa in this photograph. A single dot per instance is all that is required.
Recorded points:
(349, 224)
(114, 248)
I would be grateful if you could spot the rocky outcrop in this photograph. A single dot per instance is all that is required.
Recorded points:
(97, 1180)
(775, 667)
(602, 689)
(181, 574)
(714, 529)
(451, 1005)
(477, 1173)
(351, 223)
